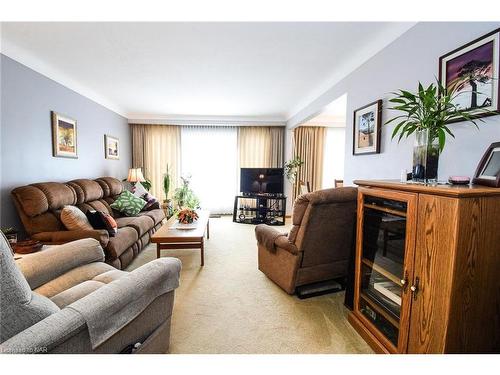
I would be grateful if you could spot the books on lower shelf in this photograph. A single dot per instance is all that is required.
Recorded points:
(389, 290)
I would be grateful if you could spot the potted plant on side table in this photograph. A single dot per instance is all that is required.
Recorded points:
(428, 112)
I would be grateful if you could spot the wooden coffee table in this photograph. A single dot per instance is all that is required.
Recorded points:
(169, 238)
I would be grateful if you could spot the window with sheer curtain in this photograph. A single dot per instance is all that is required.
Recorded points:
(208, 155)
(211, 155)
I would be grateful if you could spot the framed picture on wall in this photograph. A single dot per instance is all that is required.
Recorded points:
(488, 170)
(64, 136)
(366, 129)
(474, 70)
(111, 147)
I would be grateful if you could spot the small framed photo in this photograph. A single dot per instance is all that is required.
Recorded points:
(488, 170)
(64, 136)
(366, 129)
(473, 69)
(111, 147)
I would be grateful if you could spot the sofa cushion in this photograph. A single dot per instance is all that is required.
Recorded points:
(58, 195)
(31, 200)
(73, 277)
(125, 237)
(78, 291)
(20, 307)
(157, 215)
(111, 186)
(74, 219)
(141, 224)
(68, 296)
(86, 190)
(128, 204)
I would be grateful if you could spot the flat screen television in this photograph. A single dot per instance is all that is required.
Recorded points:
(261, 180)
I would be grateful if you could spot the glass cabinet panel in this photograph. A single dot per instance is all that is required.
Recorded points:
(382, 264)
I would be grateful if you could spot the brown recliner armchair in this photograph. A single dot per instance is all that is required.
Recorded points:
(319, 244)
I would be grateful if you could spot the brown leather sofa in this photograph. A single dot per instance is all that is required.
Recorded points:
(40, 205)
(319, 244)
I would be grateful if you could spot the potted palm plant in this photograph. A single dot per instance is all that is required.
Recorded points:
(427, 113)
(167, 203)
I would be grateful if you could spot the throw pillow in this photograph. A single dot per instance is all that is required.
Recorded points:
(128, 204)
(112, 226)
(74, 219)
(151, 202)
(139, 190)
(98, 220)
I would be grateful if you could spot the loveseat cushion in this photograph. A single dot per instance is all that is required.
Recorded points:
(80, 290)
(157, 215)
(73, 277)
(141, 224)
(125, 237)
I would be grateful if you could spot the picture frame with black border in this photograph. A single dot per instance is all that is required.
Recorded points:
(367, 141)
(470, 53)
(488, 169)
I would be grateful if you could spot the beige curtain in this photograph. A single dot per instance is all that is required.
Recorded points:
(153, 147)
(308, 144)
(261, 146)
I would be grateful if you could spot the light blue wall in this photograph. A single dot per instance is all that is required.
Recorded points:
(27, 98)
(411, 58)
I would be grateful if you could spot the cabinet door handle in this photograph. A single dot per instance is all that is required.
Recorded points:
(404, 282)
(414, 288)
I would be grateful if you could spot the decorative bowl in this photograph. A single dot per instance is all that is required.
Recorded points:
(27, 246)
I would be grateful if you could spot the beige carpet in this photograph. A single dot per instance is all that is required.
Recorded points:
(229, 306)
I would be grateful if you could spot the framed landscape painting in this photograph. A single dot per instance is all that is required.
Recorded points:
(366, 129)
(64, 136)
(473, 69)
(111, 147)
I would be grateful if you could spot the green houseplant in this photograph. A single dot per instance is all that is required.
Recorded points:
(166, 184)
(167, 203)
(292, 169)
(428, 113)
(185, 197)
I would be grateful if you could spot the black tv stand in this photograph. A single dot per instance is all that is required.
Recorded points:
(267, 209)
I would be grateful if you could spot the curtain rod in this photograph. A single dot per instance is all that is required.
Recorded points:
(208, 122)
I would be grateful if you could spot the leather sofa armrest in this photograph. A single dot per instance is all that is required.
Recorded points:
(283, 243)
(64, 236)
(39, 268)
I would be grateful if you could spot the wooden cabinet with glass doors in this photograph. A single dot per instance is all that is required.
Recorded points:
(416, 288)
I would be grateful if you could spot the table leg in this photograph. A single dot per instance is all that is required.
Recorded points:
(208, 229)
(202, 252)
(158, 250)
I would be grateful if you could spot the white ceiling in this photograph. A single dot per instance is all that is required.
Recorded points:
(266, 71)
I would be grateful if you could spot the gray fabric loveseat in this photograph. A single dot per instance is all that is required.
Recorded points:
(65, 299)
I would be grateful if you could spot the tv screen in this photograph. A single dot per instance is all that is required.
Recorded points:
(261, 180)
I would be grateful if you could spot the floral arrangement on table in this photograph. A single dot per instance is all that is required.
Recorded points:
(187, 216)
